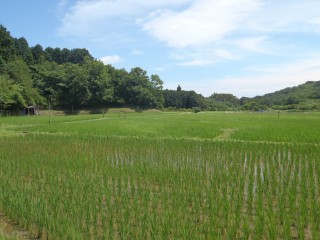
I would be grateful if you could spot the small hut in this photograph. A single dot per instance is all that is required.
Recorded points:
(32, 110)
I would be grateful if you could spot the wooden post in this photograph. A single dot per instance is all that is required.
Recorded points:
(49, 113)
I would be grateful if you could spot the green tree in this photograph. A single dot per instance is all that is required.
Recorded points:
(60, 56)
(102, 92)
(157, 86)
(75, 90)
(137, 87)
(226, 101)
(79, 55)
(49, 53)
(11, 94)
(225, 97)
(183, 99)
(39, 55)
(253, 106)
(73, 78)
(156, 82)
(47, 78)
(118, 83)
(23, 50)
(7, 49)
(293, 100)
(20, 73)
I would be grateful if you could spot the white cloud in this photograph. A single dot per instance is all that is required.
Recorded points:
(239, 27)
(160, 69)
(233, 25)
(195, 62)
(136, 52)
(203, 57)
(191, 58)
(63, 3)
(315, 21)
(111, 59)
(225, 54)
(92, 16)
(204, 22)
(254, 44)
(265, 80)
(190, 23)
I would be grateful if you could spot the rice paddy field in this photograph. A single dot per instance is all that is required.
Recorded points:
(162, 175)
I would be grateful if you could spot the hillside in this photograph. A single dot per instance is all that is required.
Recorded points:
(302, 97)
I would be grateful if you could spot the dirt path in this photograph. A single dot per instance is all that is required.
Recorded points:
(225, 134)
(10, 231)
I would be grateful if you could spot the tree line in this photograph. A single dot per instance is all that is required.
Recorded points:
(65, 79)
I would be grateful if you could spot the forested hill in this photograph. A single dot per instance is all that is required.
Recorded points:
(303, 97)
(308, 90)
(68, 78)
(32, 75)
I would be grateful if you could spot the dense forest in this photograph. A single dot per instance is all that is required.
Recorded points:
(65, 79)
(69, 78)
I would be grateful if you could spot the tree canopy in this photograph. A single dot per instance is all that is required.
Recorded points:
(69, 78)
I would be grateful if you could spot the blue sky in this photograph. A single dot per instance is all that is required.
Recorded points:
(243, 47)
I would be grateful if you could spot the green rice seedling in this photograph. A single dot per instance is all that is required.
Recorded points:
(163, 176)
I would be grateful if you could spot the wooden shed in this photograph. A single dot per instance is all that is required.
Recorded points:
(32, 110)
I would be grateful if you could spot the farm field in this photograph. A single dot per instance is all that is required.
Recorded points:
(162, 175)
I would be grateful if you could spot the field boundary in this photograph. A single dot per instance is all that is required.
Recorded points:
(196, 139)
(10, 230)
(226, 134)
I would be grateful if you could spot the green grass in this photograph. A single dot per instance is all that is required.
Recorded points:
(240, 126)
(5, 237)
(163, 176)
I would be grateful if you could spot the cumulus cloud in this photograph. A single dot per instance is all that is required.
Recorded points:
(111, 59)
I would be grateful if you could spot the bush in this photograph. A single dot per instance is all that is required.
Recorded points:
(196, 109)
